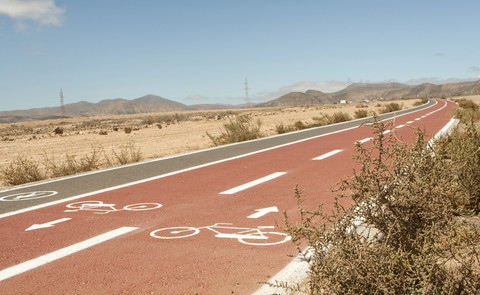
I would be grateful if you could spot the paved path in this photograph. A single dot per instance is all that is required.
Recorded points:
(200, 222)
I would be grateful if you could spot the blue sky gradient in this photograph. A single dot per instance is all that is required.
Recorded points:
(202, 51)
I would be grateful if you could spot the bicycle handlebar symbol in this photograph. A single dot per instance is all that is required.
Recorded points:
(249, 236)
(98, 207)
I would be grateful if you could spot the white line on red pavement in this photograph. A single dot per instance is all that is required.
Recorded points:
(365, 140)
(329, 154)
(252, 183)
(35, 207)
(47, 258)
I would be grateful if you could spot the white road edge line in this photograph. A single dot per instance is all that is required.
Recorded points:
(47, 258)
(329, 154)
(11, 213)
(252, 183)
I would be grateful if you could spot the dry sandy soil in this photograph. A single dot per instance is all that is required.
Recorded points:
(186, 131)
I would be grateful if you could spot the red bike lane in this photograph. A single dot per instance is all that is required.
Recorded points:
(214, 260)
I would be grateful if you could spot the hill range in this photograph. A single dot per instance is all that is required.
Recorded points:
(152, 103)
(375, 91)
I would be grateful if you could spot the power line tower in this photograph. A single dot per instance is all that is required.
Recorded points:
(246, 93)
(61, 103)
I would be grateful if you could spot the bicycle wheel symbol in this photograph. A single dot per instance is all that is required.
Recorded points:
(274, 238)
(142, 206)
(174, 232)
(26, 196)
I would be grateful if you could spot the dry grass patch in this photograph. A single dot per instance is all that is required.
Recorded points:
(179, 132)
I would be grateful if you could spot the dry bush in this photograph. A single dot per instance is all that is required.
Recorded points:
(391, 107)
(337, 117)
(420, 102)
(401, 235)
(282, 128)
(299, 125)
(467, 104)
(462, 148)
(21, 170)
(128, 153)
(361, 114)
(69, 164)
(240, 129)
(467, 112)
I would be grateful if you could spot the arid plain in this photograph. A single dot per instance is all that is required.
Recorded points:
(182, 132)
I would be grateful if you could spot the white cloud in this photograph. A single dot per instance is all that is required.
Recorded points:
(324, 86)
(43, 12)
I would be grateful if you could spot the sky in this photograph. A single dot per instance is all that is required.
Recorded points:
(202, 51)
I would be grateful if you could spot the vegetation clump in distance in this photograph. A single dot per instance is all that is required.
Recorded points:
(240, 129)
(391, 107)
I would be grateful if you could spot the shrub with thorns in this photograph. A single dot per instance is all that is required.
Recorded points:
(401, 235)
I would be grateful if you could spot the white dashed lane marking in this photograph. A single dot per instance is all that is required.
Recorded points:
(252, 183)
(329, 154)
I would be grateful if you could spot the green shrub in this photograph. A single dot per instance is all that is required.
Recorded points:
(240, 129)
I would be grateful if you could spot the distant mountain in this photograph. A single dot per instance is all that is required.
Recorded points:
(151, 103)
(118, 106)
(374, 91)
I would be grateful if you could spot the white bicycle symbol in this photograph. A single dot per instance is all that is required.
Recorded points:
(101, 208)
(28, 196)
(249, 236)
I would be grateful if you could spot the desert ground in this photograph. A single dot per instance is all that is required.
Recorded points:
(176, 133)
